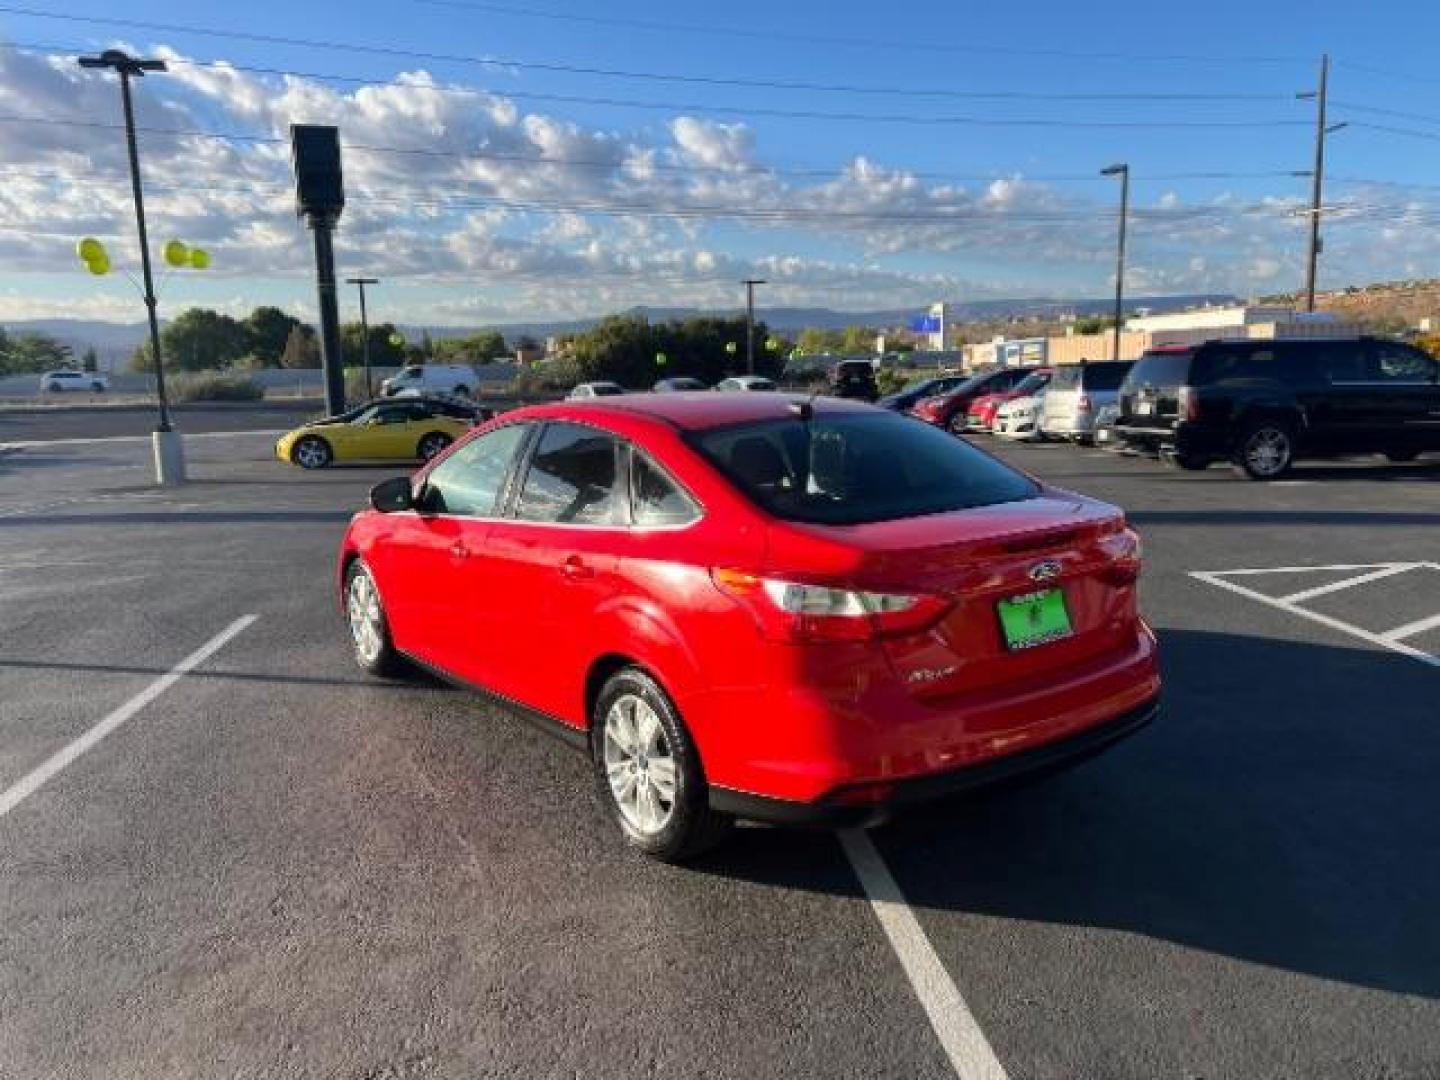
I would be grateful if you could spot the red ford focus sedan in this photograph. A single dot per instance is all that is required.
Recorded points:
(758, 606)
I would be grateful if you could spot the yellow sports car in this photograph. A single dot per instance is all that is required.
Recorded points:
(396, 429)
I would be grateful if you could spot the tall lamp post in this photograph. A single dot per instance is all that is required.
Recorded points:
(168, 450)
(364, 328)
(750, 284)
(1121, 170)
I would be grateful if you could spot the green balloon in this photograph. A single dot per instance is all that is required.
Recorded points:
(177, 254)
(731, 348)
(661, 359)
(89, 249)
(199, 259)
(99, 265)
(397, 339)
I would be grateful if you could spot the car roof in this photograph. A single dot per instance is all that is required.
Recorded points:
(696, 410)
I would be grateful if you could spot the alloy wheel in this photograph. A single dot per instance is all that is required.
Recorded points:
(366, 621)
(311, 454)
(639, 764)
(1267, 451)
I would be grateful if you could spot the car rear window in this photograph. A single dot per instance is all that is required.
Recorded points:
(858, 468)
(1066, 378)
(1105, 375)
(1161, 369)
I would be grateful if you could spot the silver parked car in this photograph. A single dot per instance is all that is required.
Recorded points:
(1076, 394)
(56, 382)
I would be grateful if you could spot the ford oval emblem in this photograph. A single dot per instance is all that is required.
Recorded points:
(1045, 571)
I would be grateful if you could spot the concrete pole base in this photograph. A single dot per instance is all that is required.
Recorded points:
(169, 458)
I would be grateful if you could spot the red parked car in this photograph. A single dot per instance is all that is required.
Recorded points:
(983, 410)
(753, 605)
(949, 410)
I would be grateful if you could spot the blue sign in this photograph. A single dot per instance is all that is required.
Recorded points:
(925, 324)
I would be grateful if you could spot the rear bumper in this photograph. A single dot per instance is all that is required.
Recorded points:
(853, 807)
(1189, 439)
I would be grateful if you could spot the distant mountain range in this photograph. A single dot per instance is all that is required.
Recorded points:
(114, 342)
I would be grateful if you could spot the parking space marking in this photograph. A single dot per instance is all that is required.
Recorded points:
(964, 1043)
(34, 780)
(40, 444)
(1348, 583)
(1419, 626)
(1389, 639)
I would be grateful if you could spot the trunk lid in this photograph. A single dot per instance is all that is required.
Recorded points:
(1150, 395)
(977, 559)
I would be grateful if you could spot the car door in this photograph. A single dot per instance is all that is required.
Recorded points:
(1405, 397)
(432, 569)
(555, 557)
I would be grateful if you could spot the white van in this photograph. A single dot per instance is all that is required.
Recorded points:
(432, 379)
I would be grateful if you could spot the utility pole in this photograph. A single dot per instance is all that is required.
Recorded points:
(750, 284)
(364, 327)
(168, 450)
(1121, 170)
(1317, 178)
(320, 199)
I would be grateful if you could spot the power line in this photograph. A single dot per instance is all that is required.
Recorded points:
(1389, 129)
(868, 43)
(746, 110)
(1374, 110)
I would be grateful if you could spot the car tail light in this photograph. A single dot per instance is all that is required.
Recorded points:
(1122, 544)
(1083, 404)
(797, 612)
(1189, 404)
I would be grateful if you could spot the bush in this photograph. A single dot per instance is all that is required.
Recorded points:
(549, 377)
(214, 388)
(892, 380)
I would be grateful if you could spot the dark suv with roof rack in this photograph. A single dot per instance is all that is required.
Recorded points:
(1264, 403)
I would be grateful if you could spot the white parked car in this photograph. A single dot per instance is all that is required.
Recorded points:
(595, 389)
(1019, 417)
(57, 382)
(432, 379)
(746, 382)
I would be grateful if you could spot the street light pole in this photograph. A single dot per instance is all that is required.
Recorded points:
(1121, 170)
(169, 453)
(364, 327)
(750, 284)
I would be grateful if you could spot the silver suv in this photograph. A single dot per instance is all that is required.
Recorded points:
(1076, 394)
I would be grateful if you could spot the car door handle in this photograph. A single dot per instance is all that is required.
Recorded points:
(459, 551)
(575, 569)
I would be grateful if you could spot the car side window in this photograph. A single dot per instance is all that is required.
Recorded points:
(469, 482)
(572, 477)
(394, 414)
(655, 499)
(1399, 364)
(1342, 362)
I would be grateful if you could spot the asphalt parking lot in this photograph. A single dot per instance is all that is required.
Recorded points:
(273, 866)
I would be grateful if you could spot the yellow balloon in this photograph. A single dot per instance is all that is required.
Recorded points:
(89, 248)
(199, 259)
(177, 254)
(397, 340)
(99, 265)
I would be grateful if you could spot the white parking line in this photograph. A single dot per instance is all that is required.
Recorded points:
(964, 1043)
(1385, 640)
(1419, 626)
(1347, 583)
(35, 444)
(33, 781)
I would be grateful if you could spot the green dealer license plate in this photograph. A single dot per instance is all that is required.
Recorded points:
(1034, 619)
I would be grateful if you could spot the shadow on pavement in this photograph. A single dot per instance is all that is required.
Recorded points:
(1363, 518)
(415, 678)
(179, 517)
(1282, 811)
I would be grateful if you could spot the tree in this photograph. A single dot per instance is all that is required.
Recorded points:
(89, 361)
(857, 339)
(384, 352)
(814, 340)
(26, 353)
(198, 340)
(302, 348)
(267, 332)
(626, 348)
(427, 345)
(473, 348)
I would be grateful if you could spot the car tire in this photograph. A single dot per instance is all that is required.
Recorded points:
(431, 444)
(54, 388)
(957, 424)
(369, 628)
(461, 391)
(1188, 462)
(644, 758)
(1265, 449)
(1401, 457)
(312, 452)
(97, 387)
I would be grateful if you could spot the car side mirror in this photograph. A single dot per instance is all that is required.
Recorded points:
(390, 496)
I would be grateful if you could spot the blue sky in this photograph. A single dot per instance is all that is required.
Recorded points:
(934, 150)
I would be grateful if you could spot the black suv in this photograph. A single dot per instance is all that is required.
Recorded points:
(854, 379)
(1262, 404)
